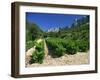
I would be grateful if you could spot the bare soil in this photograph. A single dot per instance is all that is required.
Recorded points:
(76, 59)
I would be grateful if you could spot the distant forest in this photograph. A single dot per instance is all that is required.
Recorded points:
(79, 30)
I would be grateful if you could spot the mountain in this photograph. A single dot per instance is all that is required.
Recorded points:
(78, 30)
(56, 29)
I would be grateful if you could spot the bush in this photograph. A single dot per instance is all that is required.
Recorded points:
(29, 44)
(83, 46)
(56, 45)
(60, 46)
(59, 51)
(34, 58)
(40, 46)
(38, 55)
(71, 47)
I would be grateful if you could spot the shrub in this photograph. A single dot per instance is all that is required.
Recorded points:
(60, 46)
(39, 46)
(83, 46)
(34, 57)
(38, 55)
(59, 51)
(56, 46)
(29, 44)
(71, 47)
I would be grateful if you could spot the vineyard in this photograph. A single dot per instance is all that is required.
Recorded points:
(68, 41)
(62, 46)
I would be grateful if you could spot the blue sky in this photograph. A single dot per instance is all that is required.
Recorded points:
(47, 20)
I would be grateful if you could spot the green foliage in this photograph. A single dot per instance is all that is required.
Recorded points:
(59, 51)
(61, 46)
(38, 55)
(56, 46)
(33, 31)
(40, 46)
(29, 44)
(83, 46)
(34, 57)
(71, 47)
(69, 40)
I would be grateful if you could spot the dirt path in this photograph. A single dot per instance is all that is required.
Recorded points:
(45, 49)
(76, 59)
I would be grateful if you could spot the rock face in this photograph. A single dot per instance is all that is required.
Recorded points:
(53, 29)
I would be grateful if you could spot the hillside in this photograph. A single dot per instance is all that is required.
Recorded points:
(65, 40)
(33, 31)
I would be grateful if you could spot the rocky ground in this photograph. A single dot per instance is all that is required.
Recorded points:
(76, 59)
